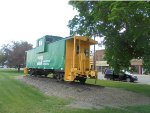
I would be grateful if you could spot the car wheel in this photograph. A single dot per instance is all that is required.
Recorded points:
(128, 79)
(108, 78)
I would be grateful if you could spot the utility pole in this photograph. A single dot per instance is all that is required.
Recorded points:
(94, 57)
(95, 60)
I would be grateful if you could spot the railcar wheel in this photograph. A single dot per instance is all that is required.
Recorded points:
(45, 75)
(31, 72)
(82, 80)
(54, 76)
(60, 77)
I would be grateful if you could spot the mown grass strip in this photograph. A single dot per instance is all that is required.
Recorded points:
(17, 97)
(134, 87)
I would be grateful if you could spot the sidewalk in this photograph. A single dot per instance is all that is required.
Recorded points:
(101, 76)
(143, 79)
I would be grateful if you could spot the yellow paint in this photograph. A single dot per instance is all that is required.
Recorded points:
(77, 62)
(25, 71)
(69, 60)
(74, 51)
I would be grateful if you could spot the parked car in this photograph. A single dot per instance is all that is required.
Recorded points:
(122, 76)
(1, 67)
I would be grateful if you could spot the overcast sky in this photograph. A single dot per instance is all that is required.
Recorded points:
(29, 20)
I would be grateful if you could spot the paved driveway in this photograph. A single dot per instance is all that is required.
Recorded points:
(142, 79)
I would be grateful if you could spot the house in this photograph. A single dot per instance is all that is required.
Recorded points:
(101, 64)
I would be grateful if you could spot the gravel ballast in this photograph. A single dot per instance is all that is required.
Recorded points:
(86, 96)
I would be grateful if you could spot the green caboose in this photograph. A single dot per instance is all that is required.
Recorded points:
(67, 58)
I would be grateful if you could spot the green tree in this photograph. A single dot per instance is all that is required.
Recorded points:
(125, 26)
(14, 53)
(2, 58)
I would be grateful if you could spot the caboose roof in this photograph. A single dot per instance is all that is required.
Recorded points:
(83, 38)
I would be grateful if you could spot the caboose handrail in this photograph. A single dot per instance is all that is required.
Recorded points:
(91, 41)
(74, 51)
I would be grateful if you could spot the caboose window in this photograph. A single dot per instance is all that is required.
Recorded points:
(40, 42)
(77, 49)
(86, 51)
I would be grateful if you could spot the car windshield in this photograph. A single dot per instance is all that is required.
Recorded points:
(128, 73)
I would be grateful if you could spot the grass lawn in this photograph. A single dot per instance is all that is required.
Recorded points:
(134, 87)
(17, 97)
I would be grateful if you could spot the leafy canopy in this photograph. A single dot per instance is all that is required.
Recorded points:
(13, 54)
(125, 26)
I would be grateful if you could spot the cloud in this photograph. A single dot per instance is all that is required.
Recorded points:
(30, 19)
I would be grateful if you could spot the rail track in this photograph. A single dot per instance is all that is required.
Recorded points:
(86, 94)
